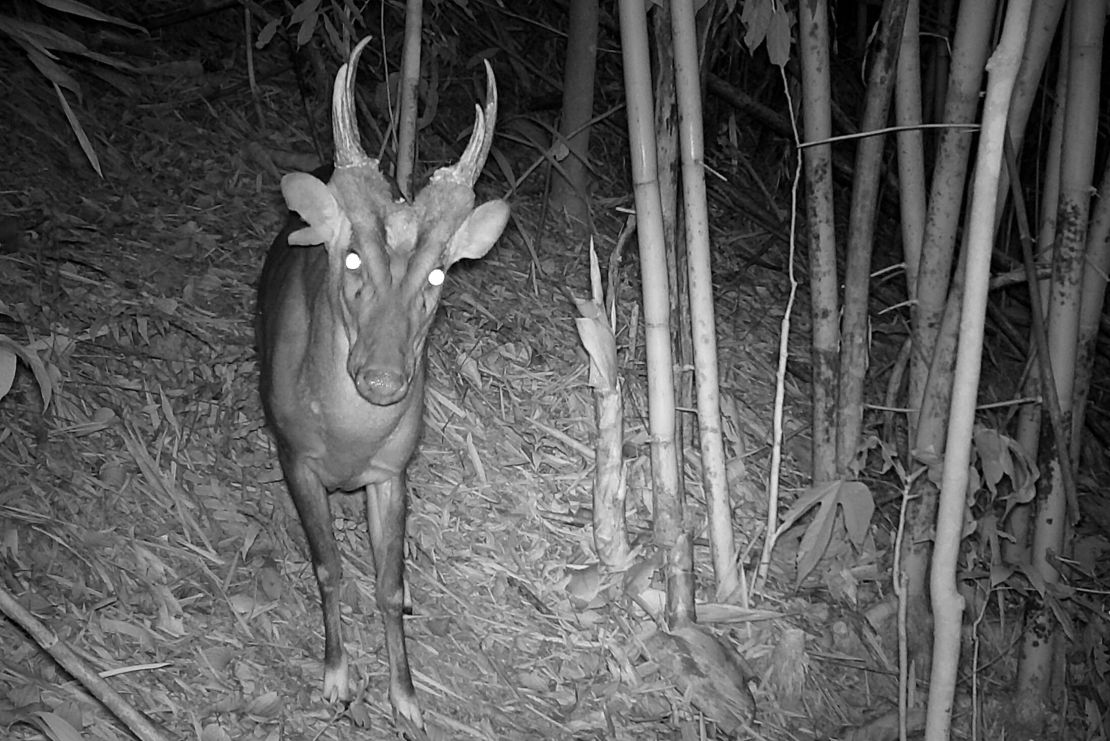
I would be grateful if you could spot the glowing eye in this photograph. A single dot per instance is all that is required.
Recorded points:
(352, 261)
(435, 277)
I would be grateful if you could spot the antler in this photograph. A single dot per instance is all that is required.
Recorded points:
(466, 170)
(348, 149)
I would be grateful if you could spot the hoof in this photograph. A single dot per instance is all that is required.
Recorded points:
(337, 687)
(406, 714)
(409, 729)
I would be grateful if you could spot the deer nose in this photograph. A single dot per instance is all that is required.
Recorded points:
(381, 386)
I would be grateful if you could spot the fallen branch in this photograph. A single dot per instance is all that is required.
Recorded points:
(77, 668)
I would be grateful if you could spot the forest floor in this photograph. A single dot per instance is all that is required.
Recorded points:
(143, 517)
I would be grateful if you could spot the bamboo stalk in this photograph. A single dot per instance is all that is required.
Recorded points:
(668, 506)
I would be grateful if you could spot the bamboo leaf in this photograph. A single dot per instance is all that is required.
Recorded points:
(858, 505)
(57, 727)
(816, 540)
(994, 457)
(7, 370)
(48, 68)
(304, 33)
(105, 60)
(756, 18)
(9, 351)
(73, 7)
(39, 35)
(306, 10)
(115, 79)
(267, 33)
(806, 500)
(778, 37)
(47, 40)
(79, 132)
(504, 165)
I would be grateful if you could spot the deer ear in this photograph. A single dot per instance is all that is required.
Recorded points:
(313, 200)
(478, 232)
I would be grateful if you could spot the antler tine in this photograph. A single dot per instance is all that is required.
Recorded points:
(348, 148)
(469, 166)
(490, 120)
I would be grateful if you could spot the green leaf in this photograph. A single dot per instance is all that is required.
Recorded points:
(994, 457)
(304, 33)
(47, 40)
(756, 18)
(7, 370)
(48, 68)
(853, 498)
(267, 33)
(106, 60)
(79, 132)
(858, 506)
(56, 727)
(42, 377)
(816, 540)
(115, 79)
(80, 9)
(306, 10)
(778, 37)
(806, 500)
(40, 35)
